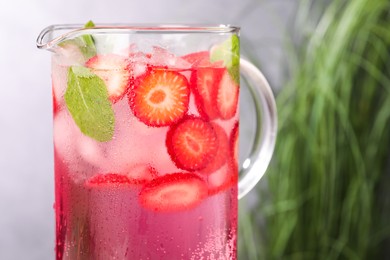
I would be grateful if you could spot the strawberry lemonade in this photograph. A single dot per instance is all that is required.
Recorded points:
(146, 145)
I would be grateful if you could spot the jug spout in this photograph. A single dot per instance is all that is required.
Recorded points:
(54, 35)
(71, 44)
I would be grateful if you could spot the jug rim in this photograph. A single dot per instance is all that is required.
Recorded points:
(45, 41)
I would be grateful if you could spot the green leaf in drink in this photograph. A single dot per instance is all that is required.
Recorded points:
(229, 53)
(89, 24)
(87, 100)
(85, 43)
(88, 49)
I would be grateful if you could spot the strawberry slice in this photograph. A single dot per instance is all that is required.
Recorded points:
(160, 98)
(222, 152)
(55, 103)
(173, 192)
(114, 71)
(222, 179)
(113, 179)
(205, 82)
(227, 97)
(227, 175)
(201, 59)
(139, 174)
(234, 145)
(192, 143)
(198, 59)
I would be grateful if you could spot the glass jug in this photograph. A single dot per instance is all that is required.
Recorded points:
(146, 134)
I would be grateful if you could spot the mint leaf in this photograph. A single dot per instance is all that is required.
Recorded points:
(89, 49)
(85, 43)
(86, 98)
(229, 53)
(89, 24)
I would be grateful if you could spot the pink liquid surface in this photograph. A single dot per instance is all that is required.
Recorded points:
(108, 221)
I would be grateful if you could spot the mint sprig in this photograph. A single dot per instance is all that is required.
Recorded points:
(86, 98)
(229, 53)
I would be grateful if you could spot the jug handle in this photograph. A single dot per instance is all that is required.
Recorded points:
(255, 165)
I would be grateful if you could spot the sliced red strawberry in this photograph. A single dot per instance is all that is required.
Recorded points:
(204, 83)
(192, 143)
(226, 176)
(234, 145)
(114, 70)
(201, 59)
(55, 103)
(222, 179)
(160, 98)
(227, 97)
(173, 192)
(137, 62)
(222, 152)
(109, 179)
(198, 59)
(138, 174)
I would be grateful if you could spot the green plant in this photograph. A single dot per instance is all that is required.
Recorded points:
(328, 182)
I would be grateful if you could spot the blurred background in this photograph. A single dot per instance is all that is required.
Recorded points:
(326, 194)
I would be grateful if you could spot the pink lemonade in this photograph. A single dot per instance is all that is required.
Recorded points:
(163, 184)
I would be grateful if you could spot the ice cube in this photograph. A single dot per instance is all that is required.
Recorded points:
(91, 150)
(59, 78)
(77, 151)
(137, 63)
(137, 60)
(130, 50)
(68, 54)
(161, 57)
(64, 133)
(72, 144)
(111, 43)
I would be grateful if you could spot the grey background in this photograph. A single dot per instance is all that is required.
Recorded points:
(26, 155)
